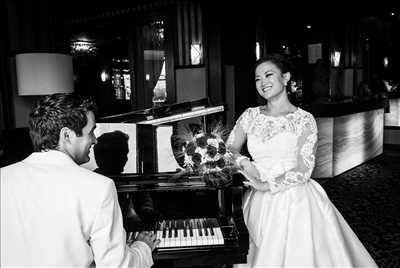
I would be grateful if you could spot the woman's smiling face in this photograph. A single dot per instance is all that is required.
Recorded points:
(270, 82)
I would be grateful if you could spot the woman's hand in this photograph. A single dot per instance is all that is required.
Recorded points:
(257, 184)
(250, 171)
(249, 168)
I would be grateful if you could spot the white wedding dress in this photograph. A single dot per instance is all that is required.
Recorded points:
(294, 224)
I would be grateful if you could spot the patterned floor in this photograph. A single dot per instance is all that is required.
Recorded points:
(368, 197)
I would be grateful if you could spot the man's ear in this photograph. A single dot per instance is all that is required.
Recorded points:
(65, 134)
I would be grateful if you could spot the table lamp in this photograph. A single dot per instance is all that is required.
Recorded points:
(44, 73)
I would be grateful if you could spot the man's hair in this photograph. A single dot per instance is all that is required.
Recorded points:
(280, 61)
(54, 112)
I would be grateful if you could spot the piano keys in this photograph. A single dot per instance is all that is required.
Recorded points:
(179, 234)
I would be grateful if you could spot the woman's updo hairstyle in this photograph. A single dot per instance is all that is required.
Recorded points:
(280, 61)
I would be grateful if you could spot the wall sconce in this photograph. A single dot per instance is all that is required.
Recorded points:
(385, 62)
(335, 58)
(258, 51)
(196, 53)
(104, 76)
(82, 44)
(44, 73)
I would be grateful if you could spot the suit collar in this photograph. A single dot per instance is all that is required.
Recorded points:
(50, 157)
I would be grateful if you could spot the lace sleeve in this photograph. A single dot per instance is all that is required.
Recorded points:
(238, 135)
(307, 146)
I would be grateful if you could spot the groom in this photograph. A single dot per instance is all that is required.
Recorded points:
(56, 213)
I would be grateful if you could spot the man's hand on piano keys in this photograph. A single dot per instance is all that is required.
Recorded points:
(149, 238)
(180, 233)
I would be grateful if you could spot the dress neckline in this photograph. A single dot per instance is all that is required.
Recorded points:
(279, 116)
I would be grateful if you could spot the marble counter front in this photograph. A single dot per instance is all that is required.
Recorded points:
(348, 135)
(391, 135)
(392, 118)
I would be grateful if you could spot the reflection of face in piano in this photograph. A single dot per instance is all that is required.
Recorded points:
(111, 152)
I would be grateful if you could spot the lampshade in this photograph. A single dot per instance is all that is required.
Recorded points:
(44, 73)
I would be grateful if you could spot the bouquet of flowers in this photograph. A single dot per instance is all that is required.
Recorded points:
(206, 154)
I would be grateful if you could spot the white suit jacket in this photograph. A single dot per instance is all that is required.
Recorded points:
(56, 213)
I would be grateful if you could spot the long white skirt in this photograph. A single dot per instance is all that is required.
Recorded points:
(300, 227)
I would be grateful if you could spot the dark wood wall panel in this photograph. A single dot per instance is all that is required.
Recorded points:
(189, 29)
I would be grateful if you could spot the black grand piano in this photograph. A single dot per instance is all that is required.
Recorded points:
(199, 224)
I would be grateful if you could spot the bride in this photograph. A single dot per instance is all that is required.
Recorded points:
(291, 221)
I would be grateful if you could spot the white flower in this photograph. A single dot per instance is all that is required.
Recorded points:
(188, 161)
(213, 142)
(198, 136)
(201, 151)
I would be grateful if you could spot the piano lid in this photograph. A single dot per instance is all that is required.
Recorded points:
(165, 114)
(185, 115)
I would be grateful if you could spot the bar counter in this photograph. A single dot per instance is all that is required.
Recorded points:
(349, 133)
(392, 119)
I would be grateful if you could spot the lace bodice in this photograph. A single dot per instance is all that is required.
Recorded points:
(283, 147)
